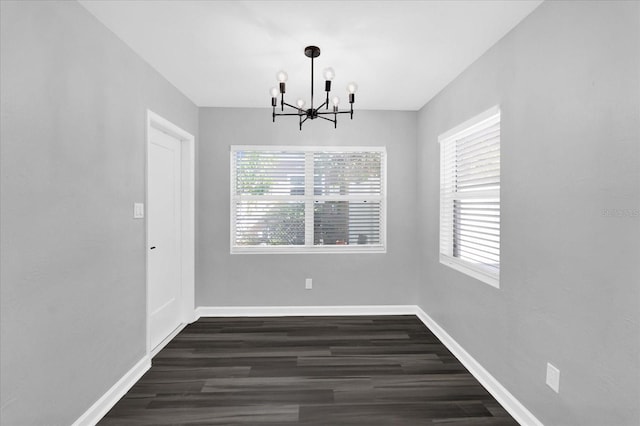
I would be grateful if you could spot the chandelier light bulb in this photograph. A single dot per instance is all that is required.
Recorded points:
(352, 88)
(328, 74)
(274, 92)
(282, 76)
(300, 103)
(335, 100)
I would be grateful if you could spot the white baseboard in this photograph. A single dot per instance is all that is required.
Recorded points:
(288, 311)
(499, 392)
(518, 411)
(98, 410)
(153, 352)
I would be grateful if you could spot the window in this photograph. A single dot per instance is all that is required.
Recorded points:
(470, 197)
(308, 199)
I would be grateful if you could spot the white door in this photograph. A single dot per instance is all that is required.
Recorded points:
(163, 213)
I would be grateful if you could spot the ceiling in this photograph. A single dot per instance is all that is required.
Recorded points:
(226, 53)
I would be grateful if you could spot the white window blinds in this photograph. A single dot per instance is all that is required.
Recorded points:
(470, 197)
(307, 199)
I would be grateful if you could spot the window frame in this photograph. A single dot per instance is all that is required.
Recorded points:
(309, 199)
(453, 135)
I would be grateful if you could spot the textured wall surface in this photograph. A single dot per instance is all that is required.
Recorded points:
(278, 280)
(566, 80)
(74, 101)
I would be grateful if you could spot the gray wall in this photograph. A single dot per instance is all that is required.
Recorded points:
(567, 81)
(72, 258)
(74, 102)
(278, 280)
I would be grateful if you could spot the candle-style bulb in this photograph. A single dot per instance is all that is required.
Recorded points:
(329, 74)
(282, 76)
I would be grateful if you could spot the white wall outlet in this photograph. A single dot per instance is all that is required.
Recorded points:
(138, 210)
(553, 378)
(308, 284)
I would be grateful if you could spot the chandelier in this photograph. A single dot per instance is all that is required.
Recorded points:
(312, 113)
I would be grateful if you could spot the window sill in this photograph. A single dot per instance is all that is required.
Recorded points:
(461, 266)
(310, 250)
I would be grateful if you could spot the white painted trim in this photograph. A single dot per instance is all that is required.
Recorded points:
(187, 226)
(519, 412)
(469, 269)
(167, 339)
(284, 311)
(499, 392)
(188, 229)
(449, 193)
(309, 199)
(470, 125)
(307, 148)
(102, 406)
(328, 249)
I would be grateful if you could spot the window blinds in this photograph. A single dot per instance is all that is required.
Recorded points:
(470, 197)
(307, 199)
(348, 196)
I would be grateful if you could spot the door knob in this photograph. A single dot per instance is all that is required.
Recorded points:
(152, 248)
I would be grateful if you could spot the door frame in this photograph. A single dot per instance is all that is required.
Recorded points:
(187, 224)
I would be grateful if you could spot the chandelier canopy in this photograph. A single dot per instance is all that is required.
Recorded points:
(312, 113)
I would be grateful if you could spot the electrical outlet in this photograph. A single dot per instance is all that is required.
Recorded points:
(138, 210)
(308, 284)
(553, 378)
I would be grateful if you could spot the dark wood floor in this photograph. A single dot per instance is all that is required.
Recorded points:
(383, 370)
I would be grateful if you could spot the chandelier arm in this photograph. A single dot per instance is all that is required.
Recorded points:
(287, 113)
(302, 121)
(291, 106)
(332, 112)
(320, 107)
(328, 119)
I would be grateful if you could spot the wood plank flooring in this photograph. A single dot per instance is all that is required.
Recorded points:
(364, 370)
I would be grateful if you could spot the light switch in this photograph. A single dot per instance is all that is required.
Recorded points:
(553, 377)
(138, 210)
